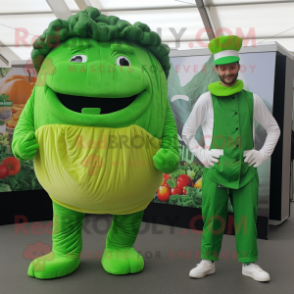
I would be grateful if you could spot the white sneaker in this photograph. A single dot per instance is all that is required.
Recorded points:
(256, 272)
(205, 267)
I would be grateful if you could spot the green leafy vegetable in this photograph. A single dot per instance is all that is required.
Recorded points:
(172, 183)
(191, 174)
(4, 97)
(177, 173)
(4, 152)
(4, 188)
(25, 179)
(192, 199)
(4, 71)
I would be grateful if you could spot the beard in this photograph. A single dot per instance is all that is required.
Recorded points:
(222, 78)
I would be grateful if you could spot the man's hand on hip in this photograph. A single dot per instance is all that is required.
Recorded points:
(211, 156)
(254, 157)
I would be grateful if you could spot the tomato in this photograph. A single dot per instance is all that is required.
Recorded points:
(166, 185)
(3, 171)
(12, 164)
(176, 191)
(185, 191)
(183, 180)
(163, 193)
(166, 176)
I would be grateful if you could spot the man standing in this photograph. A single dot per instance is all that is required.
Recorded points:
(227, 113)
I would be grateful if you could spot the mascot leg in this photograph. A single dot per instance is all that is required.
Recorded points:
(66, 246)
(119, 257)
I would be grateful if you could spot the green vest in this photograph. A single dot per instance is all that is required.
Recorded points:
(232, 132)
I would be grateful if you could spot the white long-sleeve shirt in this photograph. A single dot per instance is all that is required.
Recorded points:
(202, 114)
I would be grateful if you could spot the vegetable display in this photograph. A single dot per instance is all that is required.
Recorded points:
(183, 187)
(178, 188)
(15, 89)
(18, 87)
(15, 175)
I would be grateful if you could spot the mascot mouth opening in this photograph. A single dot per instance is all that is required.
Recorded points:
(107, 105)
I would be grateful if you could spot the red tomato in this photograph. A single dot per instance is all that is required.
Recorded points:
(185, 191)
(12, 164)
(166, 176)
(163, 193)
(166, 185)
(176, 191)
(3, 171)
(183, 180)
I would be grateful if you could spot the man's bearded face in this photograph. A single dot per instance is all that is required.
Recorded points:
(228, 73)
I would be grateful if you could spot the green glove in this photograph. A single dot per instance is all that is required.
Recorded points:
(166, 160)
(25, 148)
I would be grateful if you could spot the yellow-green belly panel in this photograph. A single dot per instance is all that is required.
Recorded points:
(98, 170)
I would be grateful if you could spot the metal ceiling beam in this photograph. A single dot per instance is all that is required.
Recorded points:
(257, 39)
(205, 19)
(247, 3)
(97, 4)
(155, 8)
(7, 55)
(82, 4)
(59, 8)
(25, 13)
(105, 10)
(193, 40)
(4, 60)
(149, 8)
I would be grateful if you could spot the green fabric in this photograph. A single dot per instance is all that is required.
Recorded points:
(218, 89)
(232, 132)
(150, 110)
(66, 246)
(167, 159)
(90, 23)
(214, 212)
(102, 40)
(92, 111)
(226, 60)
(221, 43)
(119, 257)
(24, 144)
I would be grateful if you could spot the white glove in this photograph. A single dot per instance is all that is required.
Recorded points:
(254, 157)
(210, 156)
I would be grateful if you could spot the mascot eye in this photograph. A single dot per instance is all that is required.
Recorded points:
(79, 58)
(122, 61)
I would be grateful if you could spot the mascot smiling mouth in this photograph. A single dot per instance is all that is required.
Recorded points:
(107, 105)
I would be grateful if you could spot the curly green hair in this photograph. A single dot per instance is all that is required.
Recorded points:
(90, 23)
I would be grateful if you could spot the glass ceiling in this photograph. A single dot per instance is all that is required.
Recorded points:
(179, 23)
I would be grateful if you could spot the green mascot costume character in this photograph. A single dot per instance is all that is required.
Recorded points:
(227, 113)
(101, 131)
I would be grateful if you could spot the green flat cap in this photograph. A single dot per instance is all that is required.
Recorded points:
(225, 49)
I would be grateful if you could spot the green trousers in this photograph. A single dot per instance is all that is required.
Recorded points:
(214, 211)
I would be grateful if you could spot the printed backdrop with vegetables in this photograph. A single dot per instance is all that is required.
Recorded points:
(189, 77)
(16, 85)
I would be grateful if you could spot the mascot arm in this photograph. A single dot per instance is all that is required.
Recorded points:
(24, 143)
(167, 158)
